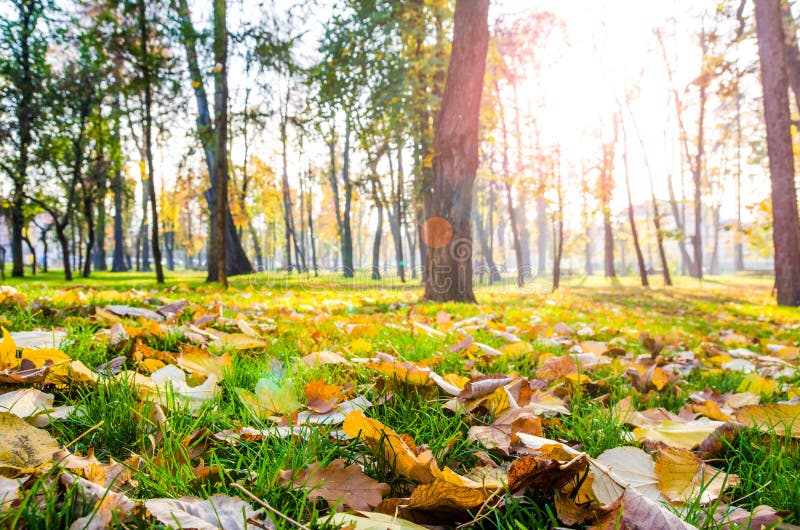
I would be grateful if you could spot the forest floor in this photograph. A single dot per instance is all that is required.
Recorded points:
(334, 402)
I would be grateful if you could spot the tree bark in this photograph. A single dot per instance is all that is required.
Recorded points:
(512, 216)
(235, 256)
(455, 161)
(118, 264)
(148, 139)
(786, 224)
(220, 136)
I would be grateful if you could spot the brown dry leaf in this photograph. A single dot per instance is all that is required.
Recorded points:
(200, 361)
(635, 511)
(682, 477)
(111, 475)
(780, 418)
(321, 397)
(108, 506)
(23, 446)
(731, 517)
(336, 483)
(499, 434)
(557, 368)
(540, 473)
(421, 468)
(220, 511)
(440, 502)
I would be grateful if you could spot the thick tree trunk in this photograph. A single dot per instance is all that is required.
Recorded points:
(455, 161)
(235, 256)
(786, 224)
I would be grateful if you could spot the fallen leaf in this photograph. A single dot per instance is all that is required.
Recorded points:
(635, 511)
(201, 361)
(218, 512)
(239, 341)
(421, 468)
(371, 521)
(780, 418)
(336, 483)
(682, 477)
(321, 397)
(22, 445)
(624, 467)
(277, 398)
(686, 435)
(323, 357)
(107, 506)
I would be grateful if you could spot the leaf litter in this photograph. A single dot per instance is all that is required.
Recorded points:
(512, 380)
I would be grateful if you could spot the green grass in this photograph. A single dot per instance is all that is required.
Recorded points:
(114, 422)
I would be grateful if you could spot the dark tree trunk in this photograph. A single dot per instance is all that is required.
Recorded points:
(235, 256)
(32, 250)
(28, 15)
(786, 224)
(221, 137)
(64, 242)
(455, 161)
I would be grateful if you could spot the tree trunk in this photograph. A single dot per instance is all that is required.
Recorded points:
(235, 256)
(631, 217)
(32, 250)
(376, 242)
(347, 235)
(786, 224)
(512, 217)
(221, 137)
(455, 161)
(62, 239)
(88, 214)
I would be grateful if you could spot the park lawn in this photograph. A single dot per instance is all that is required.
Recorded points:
(176, 453)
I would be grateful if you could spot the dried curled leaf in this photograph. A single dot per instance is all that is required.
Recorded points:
(421, 468)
